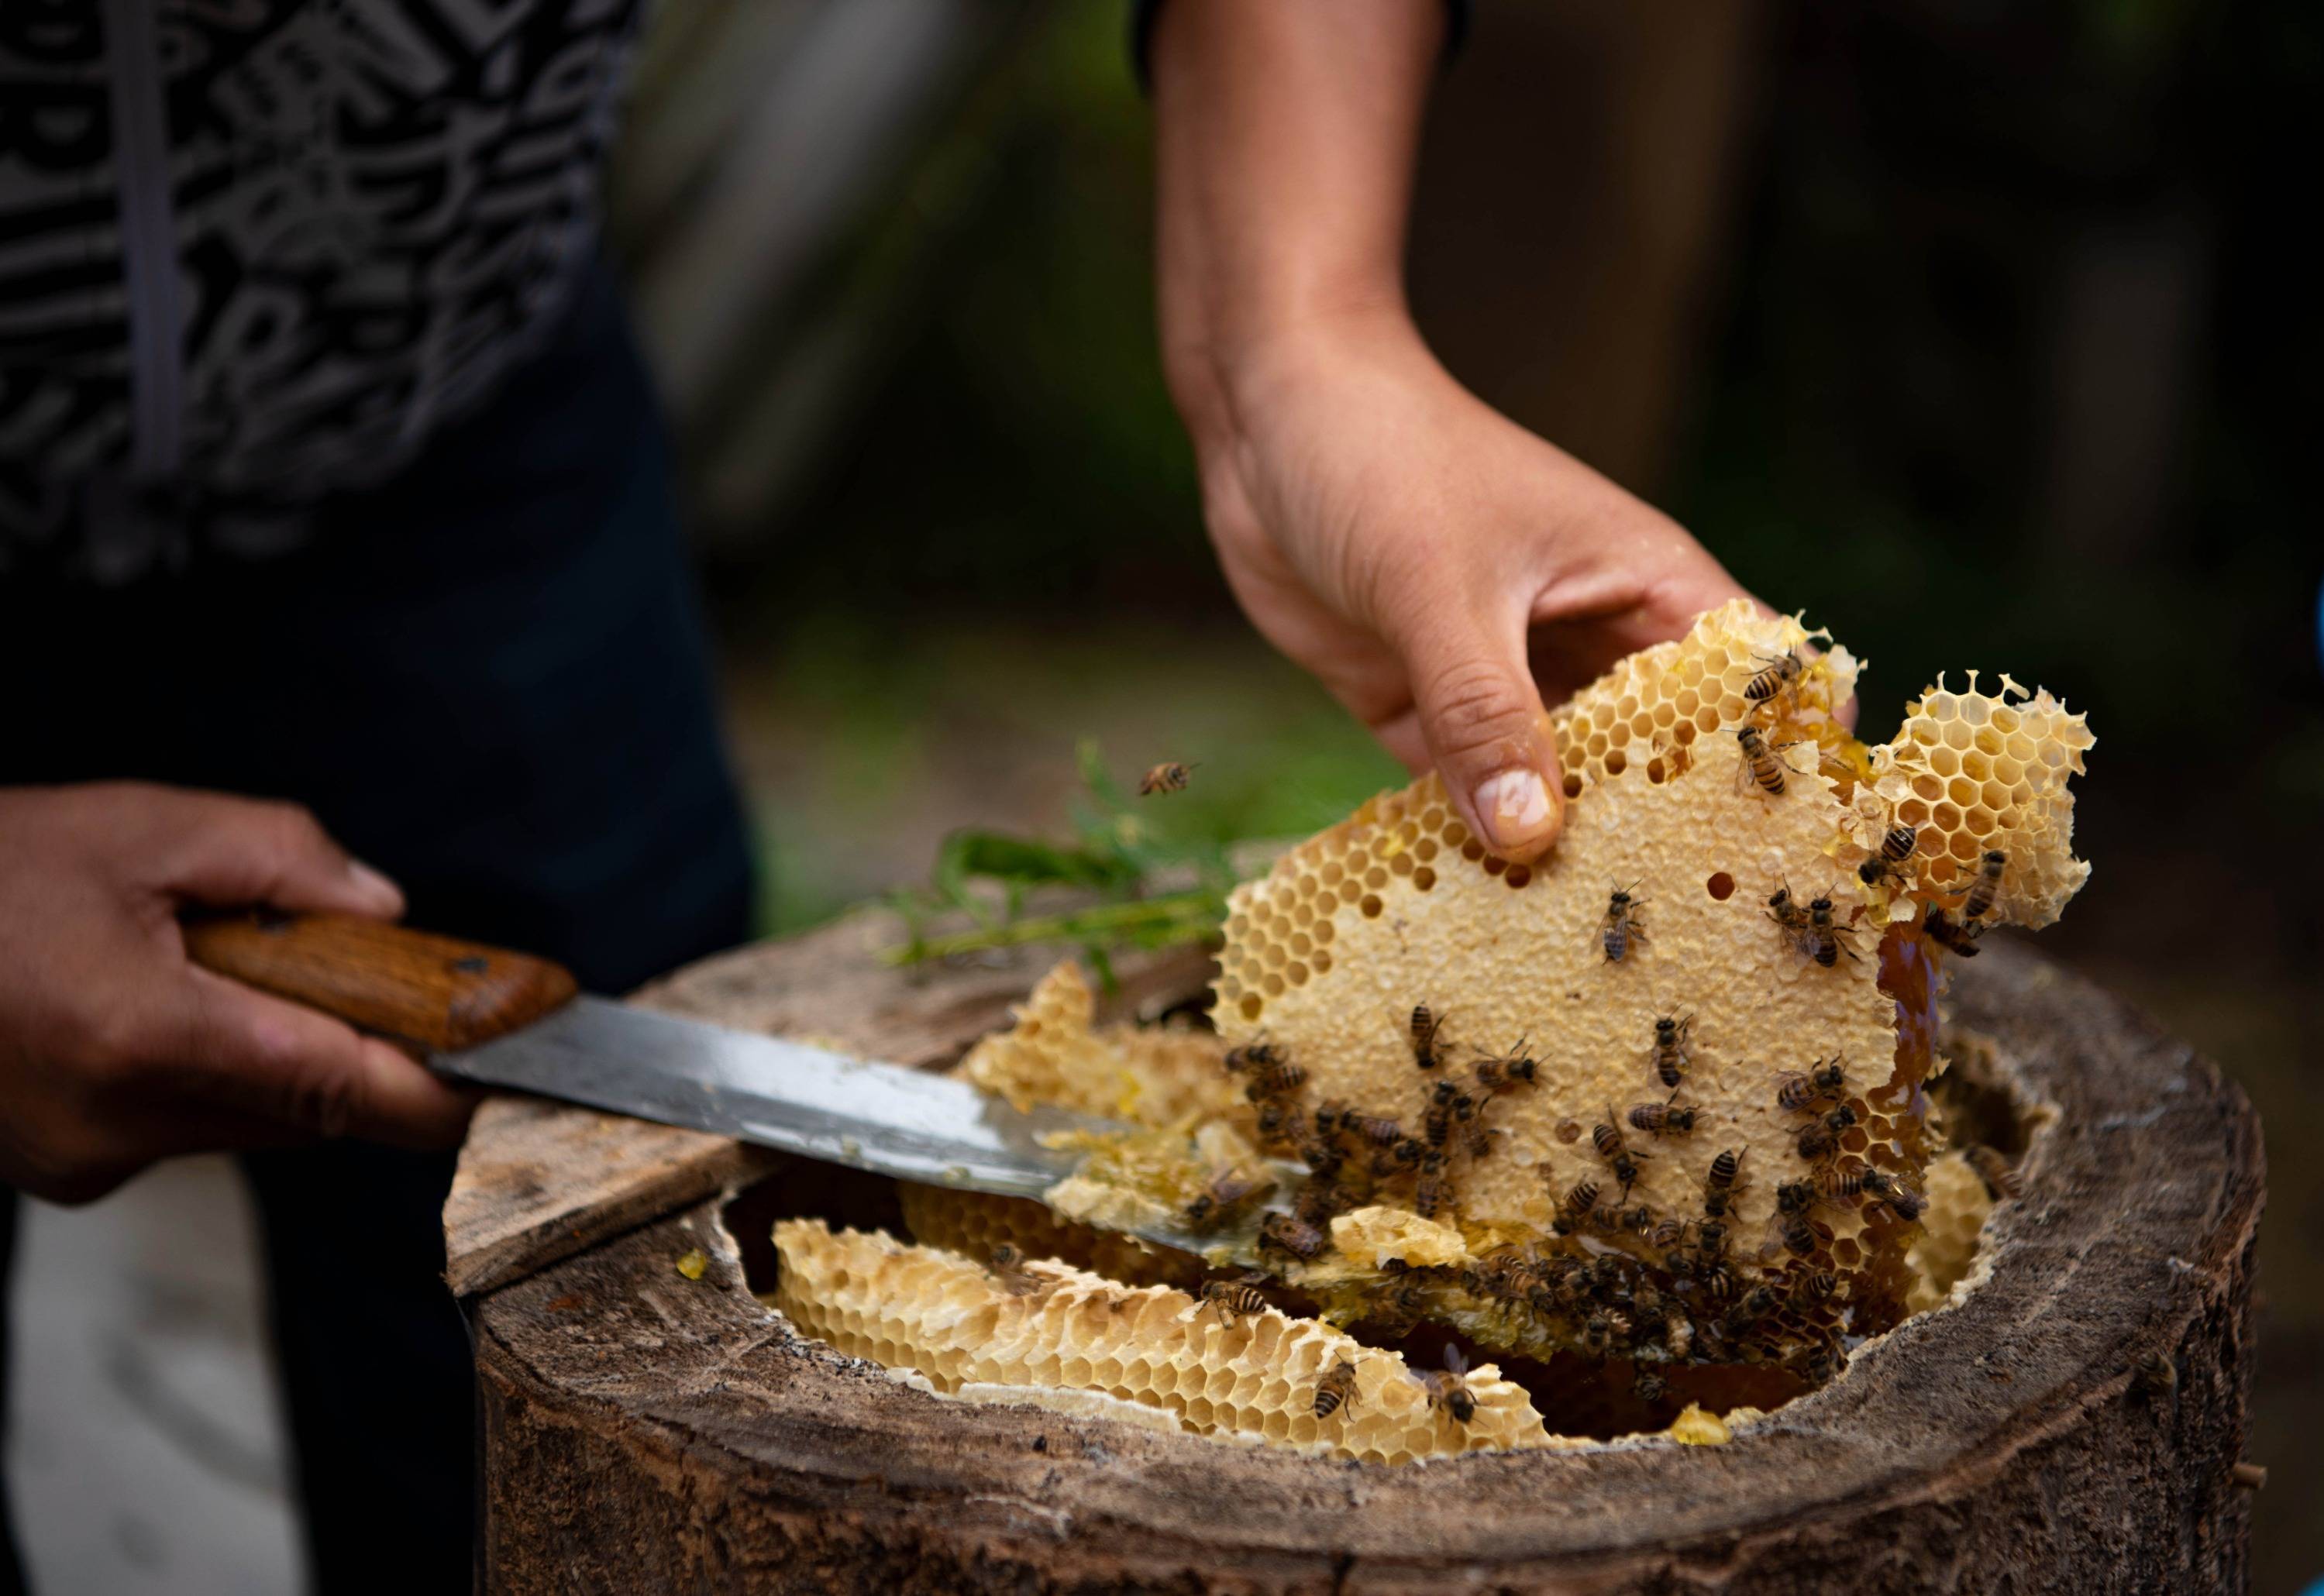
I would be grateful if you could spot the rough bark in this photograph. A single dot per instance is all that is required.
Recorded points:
(644, 1432)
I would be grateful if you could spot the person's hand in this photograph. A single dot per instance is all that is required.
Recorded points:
(1434, 564)
(1442, 570)
(114, 1051)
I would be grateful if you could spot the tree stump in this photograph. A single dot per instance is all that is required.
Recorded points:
(2073, 1424)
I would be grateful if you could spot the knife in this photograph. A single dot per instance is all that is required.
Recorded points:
(510, 1019)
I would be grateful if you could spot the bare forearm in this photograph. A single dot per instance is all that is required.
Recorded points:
(1285, 133)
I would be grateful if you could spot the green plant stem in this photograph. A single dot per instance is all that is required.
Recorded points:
(1196, 915)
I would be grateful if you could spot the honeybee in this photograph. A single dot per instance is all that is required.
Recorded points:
(1840, 1119)
(1938, 927)
(1436, 1120)
(1229, 1190)
(1280, 1232)
(1909, 1205)
(1831, 1181)
(1719, 1188)
(1663, 1119)
(1232, 1299)
(1448, 1388)
(1324, 1159)
(1379, 1130)
(1432, 1189)
(1507, 1072)
(1336, 1390)
(1896, 845)
(1789, 917)
(1667, 1234)
(1758, 1302)
(1813, 1290)
(1639, 1219)
(1825, 941)
(1986, 888)
(1669, 1049)
(1251, 1054)
(1794, 1196)
(1718, 1281)
(1575, 1208)
(1279, 1125)
(1426, 1027)
(1762, 761)
(1798, 1234)
(2001, 1182)
(1648, 1386)
(1817, 1364)
(1796, 1093)
(1620, 925)
(1398, 1157)
(1007, 1265)
(1711, 1237)
(1817, 1142)
(1275, 1078)
(1607, 1138)
(2158, 1375)
(1829, 1075)
(1164, 777)
(1778, 674)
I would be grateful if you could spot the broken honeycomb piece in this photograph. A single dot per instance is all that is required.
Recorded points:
(1326, 956)
(1945, 1250)
(1056, 1053)
(1974, 771)
(1250, 1378)
(973, 1223)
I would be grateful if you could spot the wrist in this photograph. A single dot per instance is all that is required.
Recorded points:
(1231, 375)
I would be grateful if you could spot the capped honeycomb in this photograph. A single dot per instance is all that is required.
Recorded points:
(1056, 1054)
(1327, 956)
(1250, 1377)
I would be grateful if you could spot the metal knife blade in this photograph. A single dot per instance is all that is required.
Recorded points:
(788, 1095)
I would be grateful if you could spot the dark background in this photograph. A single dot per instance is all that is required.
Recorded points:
(1977, 330)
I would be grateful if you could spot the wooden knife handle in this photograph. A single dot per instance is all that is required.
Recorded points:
(429, 992)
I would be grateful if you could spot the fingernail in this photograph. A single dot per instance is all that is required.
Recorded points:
(382, 893)
(1516, 810)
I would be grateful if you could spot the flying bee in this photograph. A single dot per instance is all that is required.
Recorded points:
(1813, 1290)
(1778, 674)
(2001, 1182)
(1426, 1031)
(1719, 1186)
(1507, 1072)
(1663, 1119)
(1986, 888)
(1607, 1138)
(1007, 1265)
(1896, 845)
(1669, 1050)
(1336, 1390)
(1574, 1208)
(1825, 941)
(1227, 1191)
(1448, 1388)
(1433, 1189)
(1232, 1299)
(1164, 777)
(1278, 1078)
(1621, 925)
(1762, 761)
(1939, 927)
(1280, 1232)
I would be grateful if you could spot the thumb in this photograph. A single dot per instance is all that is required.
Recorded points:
(1482, 717)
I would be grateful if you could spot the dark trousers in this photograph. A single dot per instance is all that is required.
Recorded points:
(488, 678)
